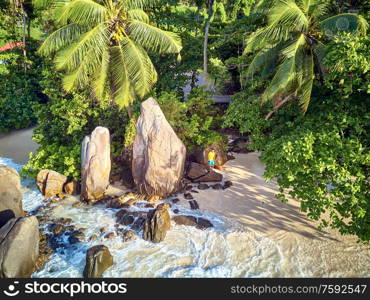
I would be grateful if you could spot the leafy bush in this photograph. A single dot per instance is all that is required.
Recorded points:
(194, 120)
(19, 89)
(323, 160)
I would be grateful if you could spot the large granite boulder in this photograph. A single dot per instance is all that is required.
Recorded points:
(199, 173)
(98, 259)
(95, 164)
(10, 191)
(158, 154)
(157, 224)
(50, 183)
(19, 247)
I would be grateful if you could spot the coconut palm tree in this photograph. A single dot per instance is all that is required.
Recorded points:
(292, 44)
(103, 45)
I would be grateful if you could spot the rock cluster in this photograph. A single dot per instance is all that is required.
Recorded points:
(157, 224)
(199, 173)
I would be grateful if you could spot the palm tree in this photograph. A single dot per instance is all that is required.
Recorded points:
(103, 45)
(292, 44)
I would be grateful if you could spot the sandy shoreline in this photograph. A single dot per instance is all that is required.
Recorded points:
(17, 145)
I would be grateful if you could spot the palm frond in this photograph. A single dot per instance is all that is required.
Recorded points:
(84, 12)
(101, 75)
(153, 38)
(286, 71)
(120, 81)
(139, 67)
(70, 58)
(345, 22)
(138, 14)
(60, 38)
(262, 59)
(140, 4)
(80, 77)
(304, 92)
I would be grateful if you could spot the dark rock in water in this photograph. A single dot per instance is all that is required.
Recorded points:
(188, 196)
(185, 220)
(73, 240)
(158, 154)
(176, 211)
(98, 260)
(110, 235)
(157, 224)
(199, 173)
(217, 186)
(93, 237)
(203, 186)
(127, 219)
(45, 251)
(128, 235)
(139, 223)
(72, 188)
(194, 191)
(51, 183)
(10, 191)
(150, 205)
(227, 184)
(193, 204)
(189, 187)
(5, 216)
(77, 204)
(121, 213)
(203, 223)
(199, 223)
(19, 247)
(175, 200)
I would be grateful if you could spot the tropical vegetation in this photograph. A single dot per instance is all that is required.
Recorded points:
(297, 72)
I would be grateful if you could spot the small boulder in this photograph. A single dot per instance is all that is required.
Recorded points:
(19, 247)
(188, 196)
(193, 204)
(185, 220)
(98, 260)
(199, 223)
(157, 224)
(95, 164)
(128, 235)
(51, 183)
(217, 186)
(72, 188)
(203, 186)
(10, 191)
(199, 173)
(158, 154)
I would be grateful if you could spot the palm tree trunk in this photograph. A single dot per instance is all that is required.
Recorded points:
(206, 33)
(194, 73)
(278, 106)
(24, 19)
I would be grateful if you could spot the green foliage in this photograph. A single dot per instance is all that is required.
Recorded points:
(64, 122)
(19, 88)
(194, 120)
(323, 160)
(348, 60)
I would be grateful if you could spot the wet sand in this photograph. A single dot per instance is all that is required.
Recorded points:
(17, 145)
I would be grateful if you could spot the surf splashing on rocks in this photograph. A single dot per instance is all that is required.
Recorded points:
(225, 250)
